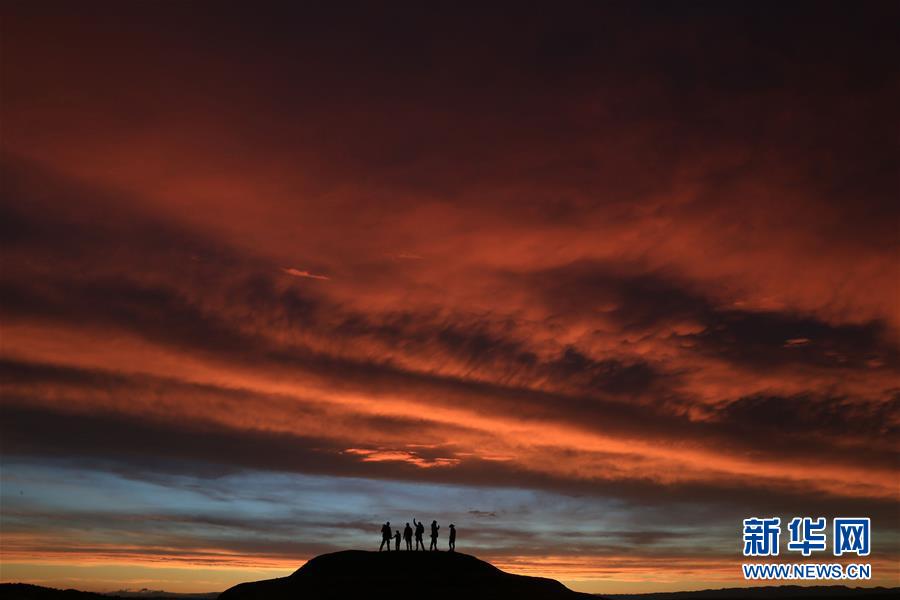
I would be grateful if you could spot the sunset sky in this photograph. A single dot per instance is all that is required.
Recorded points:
(593, 281)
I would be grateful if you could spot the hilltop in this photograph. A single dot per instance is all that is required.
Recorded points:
(435, 575)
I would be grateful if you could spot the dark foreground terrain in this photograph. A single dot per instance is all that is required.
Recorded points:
(765, 592)
(432, 575)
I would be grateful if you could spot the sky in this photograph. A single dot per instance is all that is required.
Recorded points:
(593, 281)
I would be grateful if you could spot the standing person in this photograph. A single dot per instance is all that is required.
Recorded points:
(385, 536)
(420, 531)
(407, 536)
(452, 537)
(434, 535)
(397, 540)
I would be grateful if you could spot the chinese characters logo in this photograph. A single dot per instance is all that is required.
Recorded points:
(807, 535)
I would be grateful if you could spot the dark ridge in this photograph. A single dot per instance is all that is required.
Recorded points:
(394, 575)
(26, 591)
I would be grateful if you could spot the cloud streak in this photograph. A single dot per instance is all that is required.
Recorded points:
(298, 273)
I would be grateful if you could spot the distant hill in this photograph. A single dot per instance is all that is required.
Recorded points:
(397, 575)
(25, 591)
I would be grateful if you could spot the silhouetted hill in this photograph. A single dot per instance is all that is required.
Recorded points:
(432, 575)
(25, 591)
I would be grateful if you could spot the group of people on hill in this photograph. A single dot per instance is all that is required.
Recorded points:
(386, 536)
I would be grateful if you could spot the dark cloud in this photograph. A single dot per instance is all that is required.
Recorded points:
(749, 338)
(762, 340)
(840, 419)
(604, 376)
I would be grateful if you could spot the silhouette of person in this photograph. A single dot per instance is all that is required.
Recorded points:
(407, 536)
(385, 536)
(420, 531)
(434, 535)
(452, 537)
(397, 540)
